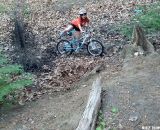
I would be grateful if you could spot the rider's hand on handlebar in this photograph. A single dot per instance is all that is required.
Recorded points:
(82, 31)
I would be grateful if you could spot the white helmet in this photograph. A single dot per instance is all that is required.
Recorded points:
(82, 11)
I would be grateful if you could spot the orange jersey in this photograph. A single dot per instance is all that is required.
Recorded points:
(80, 21)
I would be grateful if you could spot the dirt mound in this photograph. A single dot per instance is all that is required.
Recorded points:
(133, 93)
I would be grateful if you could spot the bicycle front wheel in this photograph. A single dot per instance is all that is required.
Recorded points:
(64, 47)
(95, 48)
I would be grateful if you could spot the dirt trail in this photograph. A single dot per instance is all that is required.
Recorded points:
(135, 94)
(52, 112)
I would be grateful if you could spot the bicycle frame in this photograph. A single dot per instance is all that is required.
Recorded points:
(84, 39)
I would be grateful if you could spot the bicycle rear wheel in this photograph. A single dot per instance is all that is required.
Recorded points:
(95, 48)
(64, 47)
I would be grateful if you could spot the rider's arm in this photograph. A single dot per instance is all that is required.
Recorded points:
(87, 24)
(80, 27)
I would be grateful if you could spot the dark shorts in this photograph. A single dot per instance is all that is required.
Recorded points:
(76, 28)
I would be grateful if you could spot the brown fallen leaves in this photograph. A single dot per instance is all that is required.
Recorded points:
(47, 18)
(67, 71)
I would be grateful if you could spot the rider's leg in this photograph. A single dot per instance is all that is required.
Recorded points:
(67, 29)
(77, 35)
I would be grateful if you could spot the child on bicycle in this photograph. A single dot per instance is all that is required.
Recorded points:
(77, 24)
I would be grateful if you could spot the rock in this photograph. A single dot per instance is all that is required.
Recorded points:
(84, 86)
(133, 104)
(32, 122)
(120, 127)
(134, 117)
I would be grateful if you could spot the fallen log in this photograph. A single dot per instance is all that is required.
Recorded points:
(89, 116)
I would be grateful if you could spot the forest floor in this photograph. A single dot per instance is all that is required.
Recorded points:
(130, 88)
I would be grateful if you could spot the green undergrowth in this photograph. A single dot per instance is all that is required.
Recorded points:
(147, 17)
(100, 121)
(12, 78)
(3, 8)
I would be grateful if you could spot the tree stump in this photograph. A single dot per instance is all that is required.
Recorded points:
(139, 45)
(141, 41)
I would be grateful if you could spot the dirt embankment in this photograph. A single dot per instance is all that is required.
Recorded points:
(135, 93)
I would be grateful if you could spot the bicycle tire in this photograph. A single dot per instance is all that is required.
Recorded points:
(95, 54)
(63, 42)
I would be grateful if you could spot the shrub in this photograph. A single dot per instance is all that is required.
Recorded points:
(3, 8)
(12, 77)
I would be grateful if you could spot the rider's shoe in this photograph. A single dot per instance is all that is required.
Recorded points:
(61, 34)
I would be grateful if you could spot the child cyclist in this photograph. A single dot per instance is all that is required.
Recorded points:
(77, 24)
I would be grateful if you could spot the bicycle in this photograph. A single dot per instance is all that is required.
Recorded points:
(70, 45)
